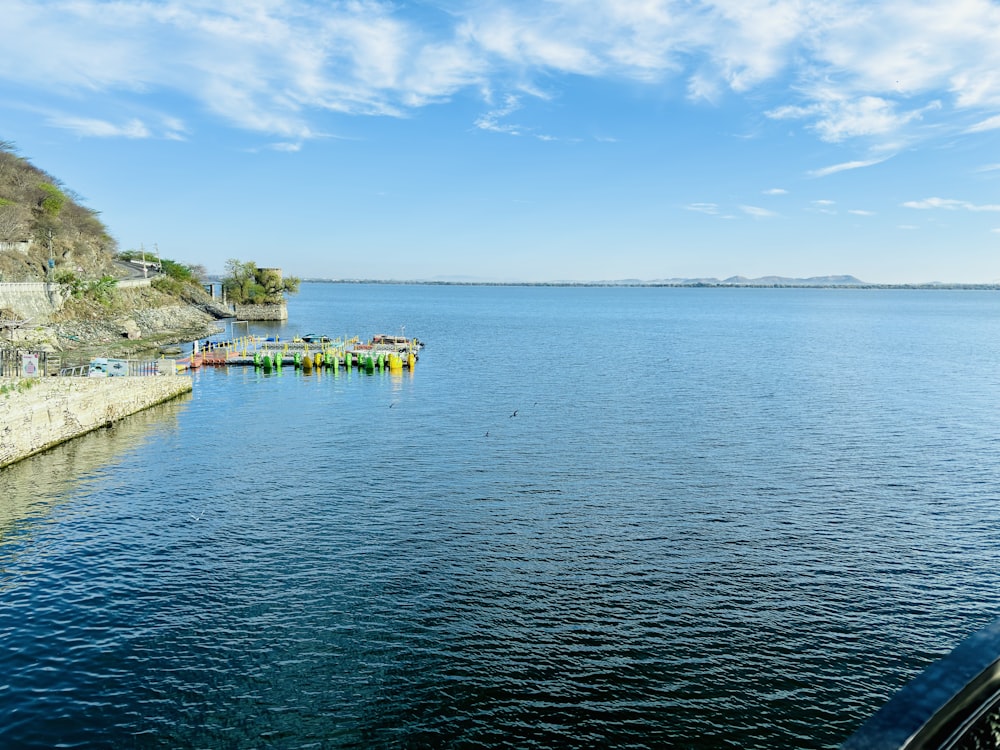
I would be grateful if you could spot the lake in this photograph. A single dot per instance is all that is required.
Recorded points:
(629, 517)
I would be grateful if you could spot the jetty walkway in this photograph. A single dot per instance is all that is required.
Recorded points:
(392, 353)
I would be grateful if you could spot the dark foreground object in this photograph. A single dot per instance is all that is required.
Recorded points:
(952, 705)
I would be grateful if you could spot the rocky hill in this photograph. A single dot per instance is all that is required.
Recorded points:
(41, 220)
(39, 215)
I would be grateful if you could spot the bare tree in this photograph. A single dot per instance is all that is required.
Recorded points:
(13, 224)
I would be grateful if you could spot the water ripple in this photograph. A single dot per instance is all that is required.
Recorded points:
(715, 549)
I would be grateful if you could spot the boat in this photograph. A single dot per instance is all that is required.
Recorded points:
(316, 338)
(400, 343)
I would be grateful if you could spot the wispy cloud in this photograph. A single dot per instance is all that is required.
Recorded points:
(775, 191)
(860, 212)
(757, 212)
(990, 123)
(95, 128)
(823, 206)
(836, 117)
(492, 119)
(949, 204)
(705, 208)
(844, 166)
(878, 72)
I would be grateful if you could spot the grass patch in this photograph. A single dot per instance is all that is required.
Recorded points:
(20, 385)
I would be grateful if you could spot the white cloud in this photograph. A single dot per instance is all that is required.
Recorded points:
(860, 212)
(881, 72)
(823, 207)
(705, 208)
(949, 204)
(95, 128)
(990, 123)
(491, 120)
(775, 191)
(833, 169)
(757, 212)
(837, 117)
(927, 203)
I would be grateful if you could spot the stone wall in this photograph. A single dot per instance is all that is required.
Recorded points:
(35, 300)
(262, 312)
(38, 299)
(55, 410)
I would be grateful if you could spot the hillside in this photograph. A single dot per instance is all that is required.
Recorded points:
(39, 216)
(35, 208)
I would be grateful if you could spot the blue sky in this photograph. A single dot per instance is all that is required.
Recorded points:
(523, 141)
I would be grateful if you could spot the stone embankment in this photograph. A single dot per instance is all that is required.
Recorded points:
(137, 321)
(54, 410)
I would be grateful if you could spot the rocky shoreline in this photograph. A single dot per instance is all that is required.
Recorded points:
(150, 330)
(40, 413)
(137, 328)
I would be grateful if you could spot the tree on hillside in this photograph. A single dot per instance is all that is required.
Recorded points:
(246, 284)
(13, 222)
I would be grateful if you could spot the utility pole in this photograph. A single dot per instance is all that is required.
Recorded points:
(52, 260)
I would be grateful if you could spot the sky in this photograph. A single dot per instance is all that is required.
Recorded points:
(535, 140)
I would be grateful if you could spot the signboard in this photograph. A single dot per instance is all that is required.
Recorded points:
(107, 368)
(29, 366)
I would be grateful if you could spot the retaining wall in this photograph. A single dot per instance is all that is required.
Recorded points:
(39, 299)
(55, 410)
(34, 300)
(262, 312)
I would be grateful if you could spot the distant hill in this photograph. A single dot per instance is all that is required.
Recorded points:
(782, 281)
(817, 281)
(36, 207)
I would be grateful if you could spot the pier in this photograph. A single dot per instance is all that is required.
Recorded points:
(392, 353)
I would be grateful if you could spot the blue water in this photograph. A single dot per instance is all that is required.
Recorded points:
(719, 518)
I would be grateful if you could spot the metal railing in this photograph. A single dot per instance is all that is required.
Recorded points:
(134, 368)
(952, 705)
(12, 362)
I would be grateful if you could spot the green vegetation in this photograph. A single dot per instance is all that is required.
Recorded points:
(173, 277)
(99, 290)
(18, 386)
(181, 272)
(246, 284)
(52, 200)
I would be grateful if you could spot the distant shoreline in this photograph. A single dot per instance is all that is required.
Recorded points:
(664, 284)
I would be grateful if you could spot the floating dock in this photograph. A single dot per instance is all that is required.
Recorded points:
(391, 353)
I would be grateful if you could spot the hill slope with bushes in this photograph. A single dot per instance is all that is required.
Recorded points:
(40, 219)
(39, 215)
